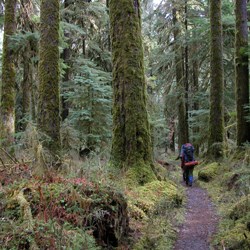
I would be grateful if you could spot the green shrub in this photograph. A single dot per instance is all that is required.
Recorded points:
(209, 172)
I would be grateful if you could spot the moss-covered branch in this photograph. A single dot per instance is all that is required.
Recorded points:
(26, 215)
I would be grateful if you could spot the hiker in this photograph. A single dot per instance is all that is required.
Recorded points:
(187, 162)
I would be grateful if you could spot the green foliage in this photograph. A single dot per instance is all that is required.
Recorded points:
(230, 190)
(155, 207)
(209, 172)
(158, 30)
(90, 97)
(21, 40)
(87, 92)
(66, 213)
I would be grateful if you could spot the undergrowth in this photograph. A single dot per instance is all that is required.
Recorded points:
(229, 187)
(87, 206)
(57, 212)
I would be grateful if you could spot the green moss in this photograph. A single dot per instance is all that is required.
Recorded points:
(182, 119)
(148, 196)
(48, 104)
(140, 174)
(152, 209)
(237, 238)
(242, 72)
(157, 190)
(159, 235)
(8, 78)
(209, 172)
(234, 230)
(160, 172)
(216, 118)
(131, 143)
(62, 211)
(241, 208)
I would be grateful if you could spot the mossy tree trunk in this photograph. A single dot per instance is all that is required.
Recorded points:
(186, 68)
(131, 143)
(195, 90)
(66, 58)
(171, 135)
(48, 115)
(216, 121)
(26, 87)
(242, 72)
(7, 128)
(182, 120)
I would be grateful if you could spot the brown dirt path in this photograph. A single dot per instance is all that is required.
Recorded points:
(200, 221)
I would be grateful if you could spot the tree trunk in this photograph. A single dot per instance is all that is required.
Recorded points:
(195, 75)
(66, 57)
(216, 122)
(7, 128)
(242, 72)
(131, 143)
(186, 69)
(182, 128)
(26, 88)
(48, 104)
(171, 135)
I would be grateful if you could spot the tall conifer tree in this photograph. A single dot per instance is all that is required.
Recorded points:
(131, 144)
(7, 121)
(48, 104)
(216, 122)
(182, 120)
(242, 72)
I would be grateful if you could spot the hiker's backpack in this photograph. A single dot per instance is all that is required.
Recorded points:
(188, 152)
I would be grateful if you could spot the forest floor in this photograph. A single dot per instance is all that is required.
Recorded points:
(201, 221)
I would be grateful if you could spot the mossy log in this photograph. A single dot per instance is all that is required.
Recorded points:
(68, 205)
(26, 215)
(209, 172)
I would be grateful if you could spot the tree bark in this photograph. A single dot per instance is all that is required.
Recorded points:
(182, 128)
(26, 88)
(48, 104)
(7, 128)
(242, 72)
(131, 143)
(216, 122)
(195, 75)
(186, 69)
(171, 136)
(66, 57)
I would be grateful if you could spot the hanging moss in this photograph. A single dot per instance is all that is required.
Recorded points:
(216, 123)
(131, 144)
(7, 128)
(48, 103)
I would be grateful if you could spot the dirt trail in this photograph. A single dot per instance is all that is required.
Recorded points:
(200, 221)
